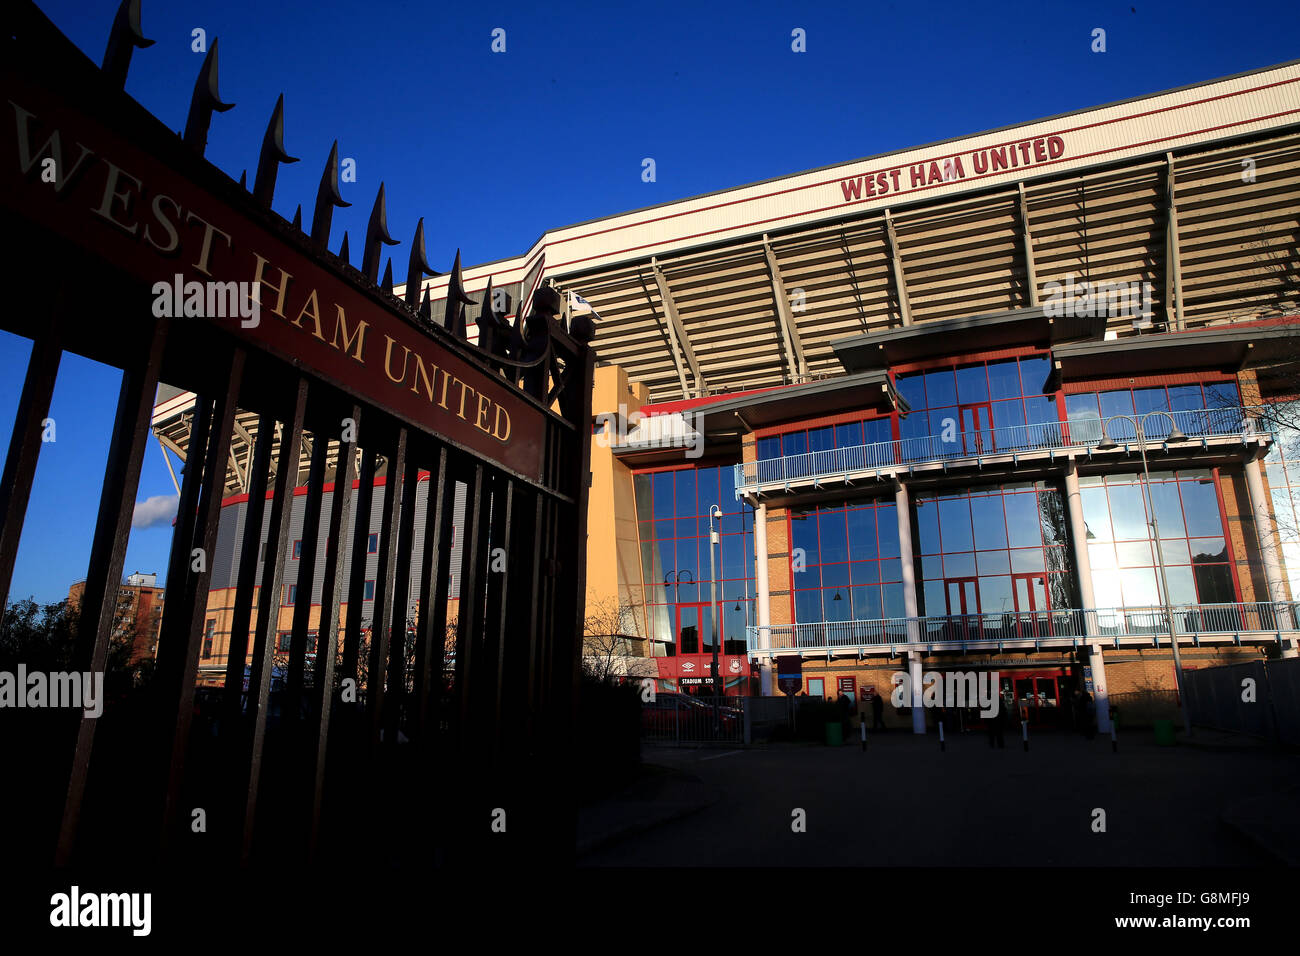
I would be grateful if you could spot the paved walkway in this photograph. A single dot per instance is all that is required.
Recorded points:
(904, 802)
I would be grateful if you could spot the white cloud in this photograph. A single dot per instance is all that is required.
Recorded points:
(155, 510)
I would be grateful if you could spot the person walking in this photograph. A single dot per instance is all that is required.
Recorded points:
(877, 712)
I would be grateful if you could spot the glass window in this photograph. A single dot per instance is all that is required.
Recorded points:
(1028, 559)
(1206, 550)
(834, 537)
(1127, 512)
(1008, 415)
(1214, 584)
(911, 388)
(955, 524)
(821, 439)
(940, 388)
(707, 481)
(1182, 589)
(1096, 513)
(803, 532)
(1023, 521)
(1201, 508)
(372, 544)
(1080, 407)
(684, 492)
(769, 447)
(867, 604)
(989, 521)
(887, 530)
(972, 384)
(1034, 373)
(848, 435)
(1004, 380)
(663, 481)
(927, 525)
(877, 430)
(1118, 403)
(862, 533)
(1168, 509)
(995, 595)
(369, 593)
(794, 443)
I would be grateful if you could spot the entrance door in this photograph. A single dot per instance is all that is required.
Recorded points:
(695, 649)
(1037, 697)
(1032, 608)
(963, 608)
(977, 428)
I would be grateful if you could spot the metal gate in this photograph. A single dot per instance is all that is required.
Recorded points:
(419, 764)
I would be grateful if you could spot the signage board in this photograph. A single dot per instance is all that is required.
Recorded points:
(133, 195)
(789, 674)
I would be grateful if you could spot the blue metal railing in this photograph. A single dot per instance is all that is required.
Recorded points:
(958, 444)
(1190, 621)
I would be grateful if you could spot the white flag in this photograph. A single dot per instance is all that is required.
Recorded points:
(579, 305)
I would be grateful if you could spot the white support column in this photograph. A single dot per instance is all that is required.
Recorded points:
(1263, 512)
(915, 676)
(1079, 535)
(903, 510)
(763, 600)
(1100, 695)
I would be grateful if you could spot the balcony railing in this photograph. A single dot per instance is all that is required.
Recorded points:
(1191, 622)
(983, 442)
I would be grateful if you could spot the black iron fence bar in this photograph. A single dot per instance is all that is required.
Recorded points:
(286, 477)
(395, 693)
(294, 679)
(241, 616)
(498, 594)
(25, 445)
(470, 612)
(328, 630)
(178, 649)
(357, 572)
(384, 591)
(433, 597)
(108, 555)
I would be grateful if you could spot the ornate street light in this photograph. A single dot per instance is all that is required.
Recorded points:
(1175, 435)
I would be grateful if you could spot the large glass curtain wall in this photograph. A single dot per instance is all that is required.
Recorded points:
(673, 529)
(1125, 571)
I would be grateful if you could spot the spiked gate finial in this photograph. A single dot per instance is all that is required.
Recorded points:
(426, 307)
(125, 36)
(202, 103)
(297, 218)
(243, 179)
(327, 197)
(493, 331)
(376, 233)
(388, 276)
(271, 156)
(343, 249)
(417, 266)
(453, 319)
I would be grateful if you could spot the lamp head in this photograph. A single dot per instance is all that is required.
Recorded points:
(1176, 435)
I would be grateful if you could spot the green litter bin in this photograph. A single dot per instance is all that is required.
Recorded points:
(1164, 733)
(834, 734)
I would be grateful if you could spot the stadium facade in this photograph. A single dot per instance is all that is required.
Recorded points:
(1013, 401)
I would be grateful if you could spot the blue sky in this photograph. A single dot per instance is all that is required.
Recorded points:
(494, 148)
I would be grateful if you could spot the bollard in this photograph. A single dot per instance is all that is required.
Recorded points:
(1114, 743)
(1024, 733)
(941, 743)
(863, 724)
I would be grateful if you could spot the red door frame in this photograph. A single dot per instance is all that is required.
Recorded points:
(973, 441)
(1040, 618)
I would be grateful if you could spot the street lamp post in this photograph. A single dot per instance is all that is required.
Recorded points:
(1175, 435)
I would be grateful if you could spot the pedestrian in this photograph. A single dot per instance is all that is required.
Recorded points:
(877, 712)
(1089, 716)
(996, 723)
(846, 712)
